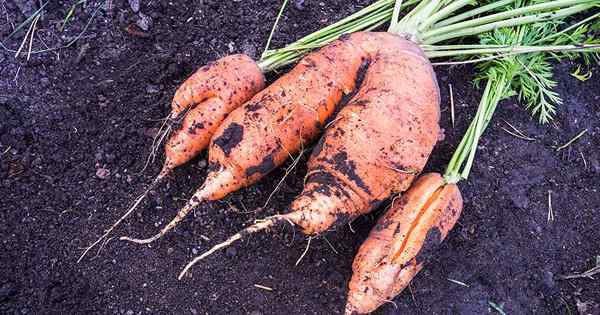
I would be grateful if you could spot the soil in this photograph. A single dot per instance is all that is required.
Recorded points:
(76, 125)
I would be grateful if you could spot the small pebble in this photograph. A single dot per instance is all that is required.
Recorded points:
(170, 250)
(299, 4)
(441, 134)
(135, 5)
(231, 252)
(151, 88)
(102, 173)
(194, 251)
(202, 164)
(144, 22)
(129, 312)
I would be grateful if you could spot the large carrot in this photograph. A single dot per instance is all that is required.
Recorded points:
(375, 146)
(402, 240)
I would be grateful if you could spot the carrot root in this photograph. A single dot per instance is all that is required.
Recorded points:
(178, 218)
(164, 172)
(257, 227)
(161, 135)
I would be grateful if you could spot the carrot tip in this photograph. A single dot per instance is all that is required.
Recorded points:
(265, 224)
(141, 241)
(129, 211)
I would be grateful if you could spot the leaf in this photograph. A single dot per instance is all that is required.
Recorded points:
(581, 76)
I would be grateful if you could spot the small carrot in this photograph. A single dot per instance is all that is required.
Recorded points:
(377, 144)
(205, 99)
(403, 240)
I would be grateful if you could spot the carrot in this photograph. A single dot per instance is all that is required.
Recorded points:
(214, 80)
(201, 102)
(375, 146)
(402, 241)
(275, 123)
(208, 96)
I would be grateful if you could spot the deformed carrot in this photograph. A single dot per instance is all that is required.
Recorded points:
(375, 146)
(206, 98)
(402, 241)
(275, 123)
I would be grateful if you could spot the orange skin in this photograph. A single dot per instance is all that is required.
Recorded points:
(401, 241)
(378, 142)
(205, 99)
(281, 119)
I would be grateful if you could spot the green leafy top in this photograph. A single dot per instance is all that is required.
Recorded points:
(530, 75)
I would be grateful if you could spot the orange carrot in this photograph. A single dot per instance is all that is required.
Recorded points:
(375, 146)
(205, 99)
(402, 241)
(275, 123)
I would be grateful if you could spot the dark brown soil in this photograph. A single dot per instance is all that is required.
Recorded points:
(71, 116)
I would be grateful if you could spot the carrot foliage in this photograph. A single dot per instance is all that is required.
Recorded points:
(528, 76)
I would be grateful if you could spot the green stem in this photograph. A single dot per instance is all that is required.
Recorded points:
(367, 18)
(568, 29)
(514, 50)
(471, 13)
(283, 5)
(551, 5)
(444, 13)
(461, 162)
(515, 21)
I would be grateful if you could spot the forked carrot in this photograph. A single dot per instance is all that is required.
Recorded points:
(375, 146)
